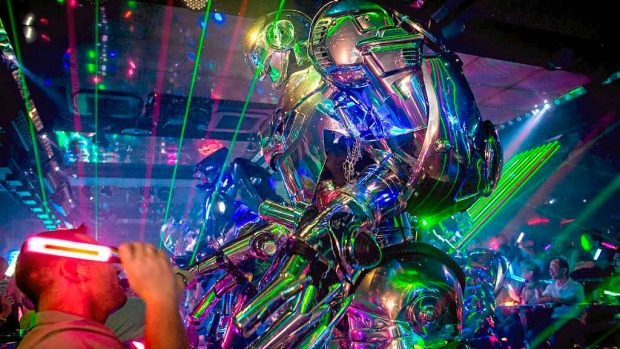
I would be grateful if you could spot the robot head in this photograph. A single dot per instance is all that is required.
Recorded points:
(276, 45)
(208, 169)
(337, 31)
(414, 92)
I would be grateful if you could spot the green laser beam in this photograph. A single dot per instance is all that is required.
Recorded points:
(186, 114)
(595, 204)
(30, 108)
(517, 172)
(511, 176)
(232, 142)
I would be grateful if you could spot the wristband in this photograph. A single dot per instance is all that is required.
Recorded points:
(187, 277)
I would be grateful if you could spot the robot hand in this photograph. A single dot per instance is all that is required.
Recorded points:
(311, 292)
(238, 260)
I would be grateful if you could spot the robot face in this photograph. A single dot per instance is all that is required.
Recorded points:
(276, 44)
(338, 31)
(208, 169)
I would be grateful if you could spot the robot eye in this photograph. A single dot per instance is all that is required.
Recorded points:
(371, 21)
(280, 35)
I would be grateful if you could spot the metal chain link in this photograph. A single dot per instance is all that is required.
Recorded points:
(354, 153)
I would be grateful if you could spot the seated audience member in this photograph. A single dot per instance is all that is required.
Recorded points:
(602, 322)
(592, 273)
(10, 303)
(525, 292)
(567, 295)
(74, 297)
(533, 286)
(529, 250)
(613, 284)
(4, 265)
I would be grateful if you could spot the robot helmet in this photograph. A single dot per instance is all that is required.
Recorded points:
(276, 45)
(337, 31)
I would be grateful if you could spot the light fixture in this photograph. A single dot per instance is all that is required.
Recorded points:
(30, 33)
(195, 5)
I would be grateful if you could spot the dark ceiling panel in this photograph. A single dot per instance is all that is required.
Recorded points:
(497, 73)
(515, 97)
(499, 115)
(484, 92)
(552, 82)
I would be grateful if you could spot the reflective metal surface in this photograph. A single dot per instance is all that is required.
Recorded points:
(381, 130)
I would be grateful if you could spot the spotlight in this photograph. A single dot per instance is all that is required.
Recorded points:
(219, 18)
(195, 5)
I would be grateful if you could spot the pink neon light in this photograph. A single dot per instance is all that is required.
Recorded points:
(609, 245)
(71, 249)
(537, 220)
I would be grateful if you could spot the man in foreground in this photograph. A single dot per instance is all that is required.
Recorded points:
(73, 297)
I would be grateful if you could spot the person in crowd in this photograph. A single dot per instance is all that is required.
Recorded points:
(4, 265)
(529, 250)
(474, 244)
(8, 318)
(533, 286)
(522, 292)
(602, 321)
(74, 297)
(570, 248)
(497, 242)
(566, 295)
(14, 305)
(613, 283)
(4, 282)
(10, 303)
(501, 244)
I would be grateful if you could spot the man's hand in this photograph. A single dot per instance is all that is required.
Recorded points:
(4, 285)
(7, 304)
(149, 271)
(150, 274)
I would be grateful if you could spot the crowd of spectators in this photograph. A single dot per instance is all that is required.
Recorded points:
(546, 277)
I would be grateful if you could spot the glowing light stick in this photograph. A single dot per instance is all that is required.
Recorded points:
(72, 249)
(597, 254)
(11, 269)
(520, 237)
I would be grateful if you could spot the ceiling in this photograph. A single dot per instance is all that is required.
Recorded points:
(516, 55)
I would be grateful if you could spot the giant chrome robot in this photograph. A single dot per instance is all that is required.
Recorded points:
(376, 129)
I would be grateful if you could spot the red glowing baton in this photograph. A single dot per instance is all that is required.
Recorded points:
(72, 249)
